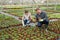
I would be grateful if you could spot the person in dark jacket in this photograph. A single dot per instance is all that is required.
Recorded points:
(41, 18)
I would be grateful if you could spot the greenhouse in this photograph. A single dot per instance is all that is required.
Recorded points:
(12, 24)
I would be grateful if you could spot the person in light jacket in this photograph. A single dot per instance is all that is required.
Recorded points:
(26, 18)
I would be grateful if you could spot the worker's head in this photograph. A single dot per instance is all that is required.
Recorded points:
(38, 11)
(26, 11)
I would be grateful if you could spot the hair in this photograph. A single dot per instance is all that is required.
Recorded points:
(37, 9)
(26, 11)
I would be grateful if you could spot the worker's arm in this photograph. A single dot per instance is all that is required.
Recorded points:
(45, 16)
(23, 20)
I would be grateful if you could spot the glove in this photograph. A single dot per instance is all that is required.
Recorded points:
(41, 20)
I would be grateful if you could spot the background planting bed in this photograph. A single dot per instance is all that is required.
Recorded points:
(30, 33)
(11, 29)
(6, 21)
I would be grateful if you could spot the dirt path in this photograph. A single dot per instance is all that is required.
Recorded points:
(17, 18)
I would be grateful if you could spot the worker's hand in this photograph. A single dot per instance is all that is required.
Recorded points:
(41, 20)
(30, 18)
(34, 20)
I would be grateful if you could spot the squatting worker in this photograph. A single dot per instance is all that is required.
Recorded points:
(41, 18)
(26, 18)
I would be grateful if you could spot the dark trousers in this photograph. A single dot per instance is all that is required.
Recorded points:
(39, 24)
(26, 22)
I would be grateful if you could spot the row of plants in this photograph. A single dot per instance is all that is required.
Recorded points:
(55, 26)
(53, 15)
(12, 6)
(20, 12)
(27, 33)
(4, 35)
(6, 21)
(15, 12)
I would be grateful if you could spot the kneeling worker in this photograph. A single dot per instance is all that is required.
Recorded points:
(26, 18)
(41, 18)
